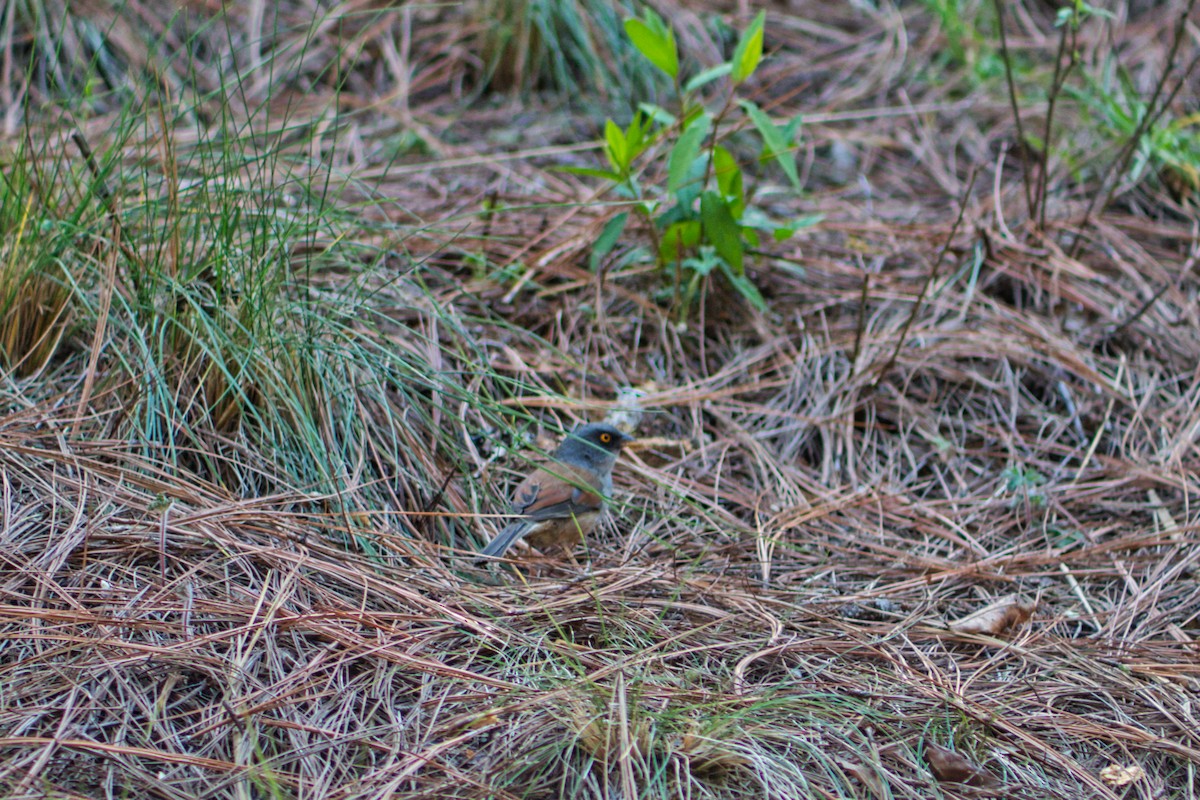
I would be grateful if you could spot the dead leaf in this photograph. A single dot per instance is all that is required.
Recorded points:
(950, 767)
(995, 618)
(863, 775)
(708, 756)
(1115, 775)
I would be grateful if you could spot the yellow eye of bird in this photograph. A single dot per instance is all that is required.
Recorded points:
(606, 437)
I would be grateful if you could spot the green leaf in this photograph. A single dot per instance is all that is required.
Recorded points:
(707, 76)
(614, 147)
(1090, 10)
(608, 239)
(777, 145)
(635, 136)
(786, 230)
(722, 230)
(792, 128)
(692, 111)
(622, 146)
(729, 180)
(705, 262)
(689, 190)
(655, 41)
(679, 238)
(686, 151)
(590, 172)
(756, 218)
(749, 50)
(745, 288)
(657, 113)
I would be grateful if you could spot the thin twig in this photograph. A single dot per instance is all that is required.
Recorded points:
(1056, 85)
(862, 321)
(106, 197)
(1016, 111)
(962, 209)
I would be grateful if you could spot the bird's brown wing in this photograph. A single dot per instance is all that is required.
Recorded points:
(556, 492)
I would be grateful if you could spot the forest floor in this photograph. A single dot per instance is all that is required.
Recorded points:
(291, 297)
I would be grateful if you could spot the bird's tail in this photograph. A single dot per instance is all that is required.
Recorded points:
(506, 538)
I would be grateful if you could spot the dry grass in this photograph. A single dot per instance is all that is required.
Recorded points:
(833, 482)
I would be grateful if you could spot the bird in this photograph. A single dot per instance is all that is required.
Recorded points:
(560, 503)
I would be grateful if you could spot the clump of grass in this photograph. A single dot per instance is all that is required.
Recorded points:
(35, 294)
(569, 49)
(238, 330)
(1167, 148)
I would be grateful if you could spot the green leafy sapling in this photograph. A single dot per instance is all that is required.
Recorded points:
(700, 220)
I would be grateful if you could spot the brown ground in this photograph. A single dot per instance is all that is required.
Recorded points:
(948, 405)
